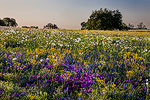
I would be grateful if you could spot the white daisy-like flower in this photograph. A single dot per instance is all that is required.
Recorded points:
(47, 58)
(41, 60)
(4, 43)
(36, 56)
(14, 59)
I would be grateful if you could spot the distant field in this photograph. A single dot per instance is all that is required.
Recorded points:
(42, 64)
(148, 30)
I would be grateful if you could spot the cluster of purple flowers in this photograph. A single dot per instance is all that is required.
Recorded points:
(81, 79)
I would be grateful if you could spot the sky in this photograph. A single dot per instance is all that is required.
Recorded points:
(68, 14)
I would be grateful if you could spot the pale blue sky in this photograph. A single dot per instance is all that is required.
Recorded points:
(68, 14)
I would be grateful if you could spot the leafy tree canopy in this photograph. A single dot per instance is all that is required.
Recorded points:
(104, 19)
(8, 22)
(141, 26)
(51, 26)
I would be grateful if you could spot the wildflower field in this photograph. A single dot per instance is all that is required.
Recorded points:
(42, 64)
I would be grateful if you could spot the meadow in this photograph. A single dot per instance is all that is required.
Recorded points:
(42, 64)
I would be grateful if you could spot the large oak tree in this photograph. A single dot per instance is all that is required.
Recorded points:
(104, 19)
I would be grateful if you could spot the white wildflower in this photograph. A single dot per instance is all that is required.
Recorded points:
(47, 58)
(36, 56)
(14, 59)
(41, 60)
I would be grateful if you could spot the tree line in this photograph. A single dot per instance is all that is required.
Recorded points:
(8, 22)
(48, 26)
(105, 19)
(102, 19)
(12, 22)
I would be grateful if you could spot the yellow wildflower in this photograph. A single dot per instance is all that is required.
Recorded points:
(101, 56)
(24, 66)
(99, 66)
(64, 49)
(132, 60)
(42, 50)
(49, 56)
(31, 97)
(141, 58)
(36, 50)
(17, 64)
(1, 74)
(68, 51)
(79, 94)
(1, 45)
(128, 53)
(100, 81)
(6, 83)
(130, 73)
(62, 71)
(113, 85)
(32, 61)
(135, 56)
(86, 63)
(125, 56)
(142, 68)
(58, 49)
(104, 90)
(52, 49)
(80, 51)
(2, 39)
